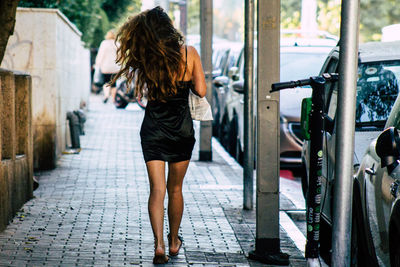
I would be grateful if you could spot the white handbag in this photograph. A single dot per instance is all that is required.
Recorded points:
(200, 109)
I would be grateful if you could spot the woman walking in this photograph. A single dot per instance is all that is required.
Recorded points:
(153, 53)
(105, 60)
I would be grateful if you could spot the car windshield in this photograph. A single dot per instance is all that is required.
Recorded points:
(297, 66)
(377, 89)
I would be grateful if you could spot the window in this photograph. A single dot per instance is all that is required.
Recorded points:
(331, 88)
(377, 90)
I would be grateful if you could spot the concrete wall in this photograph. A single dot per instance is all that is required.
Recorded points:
(47, 46)
(16, 154)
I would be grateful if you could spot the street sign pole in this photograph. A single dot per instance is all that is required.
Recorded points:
(267, 249)
(206, 32)
(343, 190)
(249, 131)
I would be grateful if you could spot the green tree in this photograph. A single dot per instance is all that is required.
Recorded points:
(84, 14)
(329, 16)
(376, 14)
(193, 16)
(290, 14)
(131, 9)
(118, 9)
(92, 17)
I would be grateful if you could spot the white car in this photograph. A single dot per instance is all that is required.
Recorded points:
(376, 208)
(299, 60)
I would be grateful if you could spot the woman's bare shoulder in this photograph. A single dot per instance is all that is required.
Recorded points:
(191, 49)
(192, 53)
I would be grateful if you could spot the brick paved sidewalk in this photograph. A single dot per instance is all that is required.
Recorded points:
(92, 209)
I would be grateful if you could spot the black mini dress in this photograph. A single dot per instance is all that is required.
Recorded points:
(167, 132)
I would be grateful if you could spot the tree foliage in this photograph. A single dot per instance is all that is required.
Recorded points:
(290, 14)
(117, 9)
(376, 14)
(92, 17)
(193, 16)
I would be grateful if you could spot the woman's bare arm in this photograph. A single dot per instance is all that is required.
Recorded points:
(198, 78)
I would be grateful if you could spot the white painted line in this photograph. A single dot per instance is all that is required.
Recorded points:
(224, 154)
(292, 231)
(221, 187)
(293, 191)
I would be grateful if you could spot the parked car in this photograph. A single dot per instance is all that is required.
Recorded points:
(376, 211)
(298, 60)
(221, 81)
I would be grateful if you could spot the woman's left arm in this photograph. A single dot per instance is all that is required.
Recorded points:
(198, 73)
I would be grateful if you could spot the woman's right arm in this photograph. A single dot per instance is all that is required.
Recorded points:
(198, 74)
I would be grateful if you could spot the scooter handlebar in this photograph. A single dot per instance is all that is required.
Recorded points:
(292, 84)
(329, 77)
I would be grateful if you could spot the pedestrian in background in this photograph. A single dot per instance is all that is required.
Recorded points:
(152, 48)
(106, 62)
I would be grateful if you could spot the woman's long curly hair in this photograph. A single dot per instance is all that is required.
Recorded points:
(149, 53)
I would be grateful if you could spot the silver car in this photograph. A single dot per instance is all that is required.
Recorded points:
(228, 59)
(376, 211)
(298, 61)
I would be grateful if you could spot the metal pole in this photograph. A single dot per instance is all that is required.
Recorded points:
(248, 156)
(314, 189)
(267, 200)
(183, 16)
(342, 200)
(206, 27)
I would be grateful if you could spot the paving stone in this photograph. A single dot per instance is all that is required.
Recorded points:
(92, 209)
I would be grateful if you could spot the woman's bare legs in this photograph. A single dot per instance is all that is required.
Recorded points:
(176, 173)
(156, 172)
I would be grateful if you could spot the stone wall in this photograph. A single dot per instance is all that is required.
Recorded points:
(47, 46)
(16, 165)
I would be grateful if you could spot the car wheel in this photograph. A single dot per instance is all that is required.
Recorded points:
(394, 237)
(142, 102)
(395, 251)
(233, 137)
(224, 132)
(239, 152)
(355, 250)
(304, 180)
(325, 241)
(359, 240)
(216, 114)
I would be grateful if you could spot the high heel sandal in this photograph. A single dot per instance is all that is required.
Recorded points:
(169, 245)
(160, 259)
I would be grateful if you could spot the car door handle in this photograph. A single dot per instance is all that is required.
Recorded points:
(370, 171)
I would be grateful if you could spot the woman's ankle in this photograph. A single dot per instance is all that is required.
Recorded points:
(159, 247)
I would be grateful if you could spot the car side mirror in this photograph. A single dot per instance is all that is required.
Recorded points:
(238, 87)
(216, 72)
(221, 81)
(233, 73)
(387, 147)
